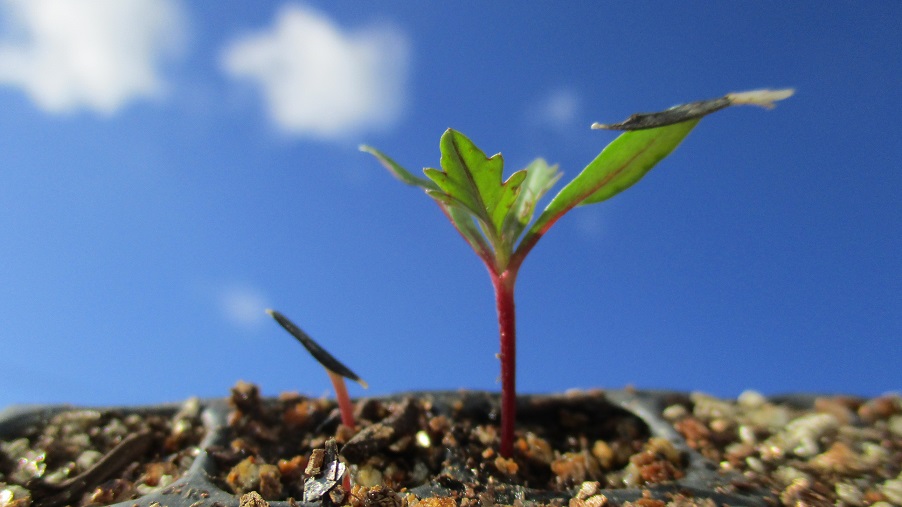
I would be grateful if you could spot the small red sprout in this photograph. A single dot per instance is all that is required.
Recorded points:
(337, 371)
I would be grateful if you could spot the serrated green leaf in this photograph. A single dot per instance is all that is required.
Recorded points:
(540, 177)
(462, 218)
(619, 166)
(463, 222)
(459, 216)
(474, 180)
(398, 171)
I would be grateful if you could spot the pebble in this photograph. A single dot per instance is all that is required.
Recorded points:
(249, 476)
(675, 412)
(587, 489)
(751, 399)
(506, 466)
(895, 425)
(190, 409)
(536, 448)
(747, 435)
(435, 502)
(772, 417)
(87, 459)
(849, 494)
(795, 491)
(755, 464)
(892, 490)
(709, 407)
(721, 425)
(665, 448)
(801, 436)
(420, 473)
(252, 499)
(632, 477)
(117, 430)
(789, 475)
(111, 491)
(14, 496)
(604, 454)
(368, 476)
(30, 465)
(880, 408)
(837, 407)
(575, 467)
(838, 458)
(486, 434)
(874, 454)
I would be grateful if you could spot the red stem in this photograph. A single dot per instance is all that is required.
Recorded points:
(346, 410)
(344, 401)
(507, 324)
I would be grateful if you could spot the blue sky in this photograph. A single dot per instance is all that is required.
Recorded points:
(169, 169)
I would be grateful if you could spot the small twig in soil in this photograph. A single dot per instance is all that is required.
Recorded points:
(130, 449)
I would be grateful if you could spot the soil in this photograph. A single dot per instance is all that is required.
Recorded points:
(447, 439)
(85, 457)
(441, 450)
(813, 450)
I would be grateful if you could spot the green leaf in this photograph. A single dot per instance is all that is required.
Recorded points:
(540, 177)
(632, 155)
(475, 182)
(463, 222)
(459, 216)
(398, 171)
(619, 165)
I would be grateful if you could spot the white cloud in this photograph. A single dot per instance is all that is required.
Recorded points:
(319, 80)
(243, 306)
(558, 109)
(92, 54)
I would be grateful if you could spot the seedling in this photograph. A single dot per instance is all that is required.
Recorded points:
(492, 214)
(337, 371)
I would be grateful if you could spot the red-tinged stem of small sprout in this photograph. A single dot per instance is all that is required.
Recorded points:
(347, 413)
(507, 324)
(344, 401)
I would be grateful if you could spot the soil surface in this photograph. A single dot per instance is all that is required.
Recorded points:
(446, 439)
(97, 457)
(441, 450)
(811, 451)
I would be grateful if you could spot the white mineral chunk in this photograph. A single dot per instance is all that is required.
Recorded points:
(751, 399)
(802, 435)
(709, 407)
(892, 490)
(849, 494)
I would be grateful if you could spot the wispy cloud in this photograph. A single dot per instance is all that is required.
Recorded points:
(242, 305)
(557, 109)
(319, 80)
(88, 54)
(591, 224)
